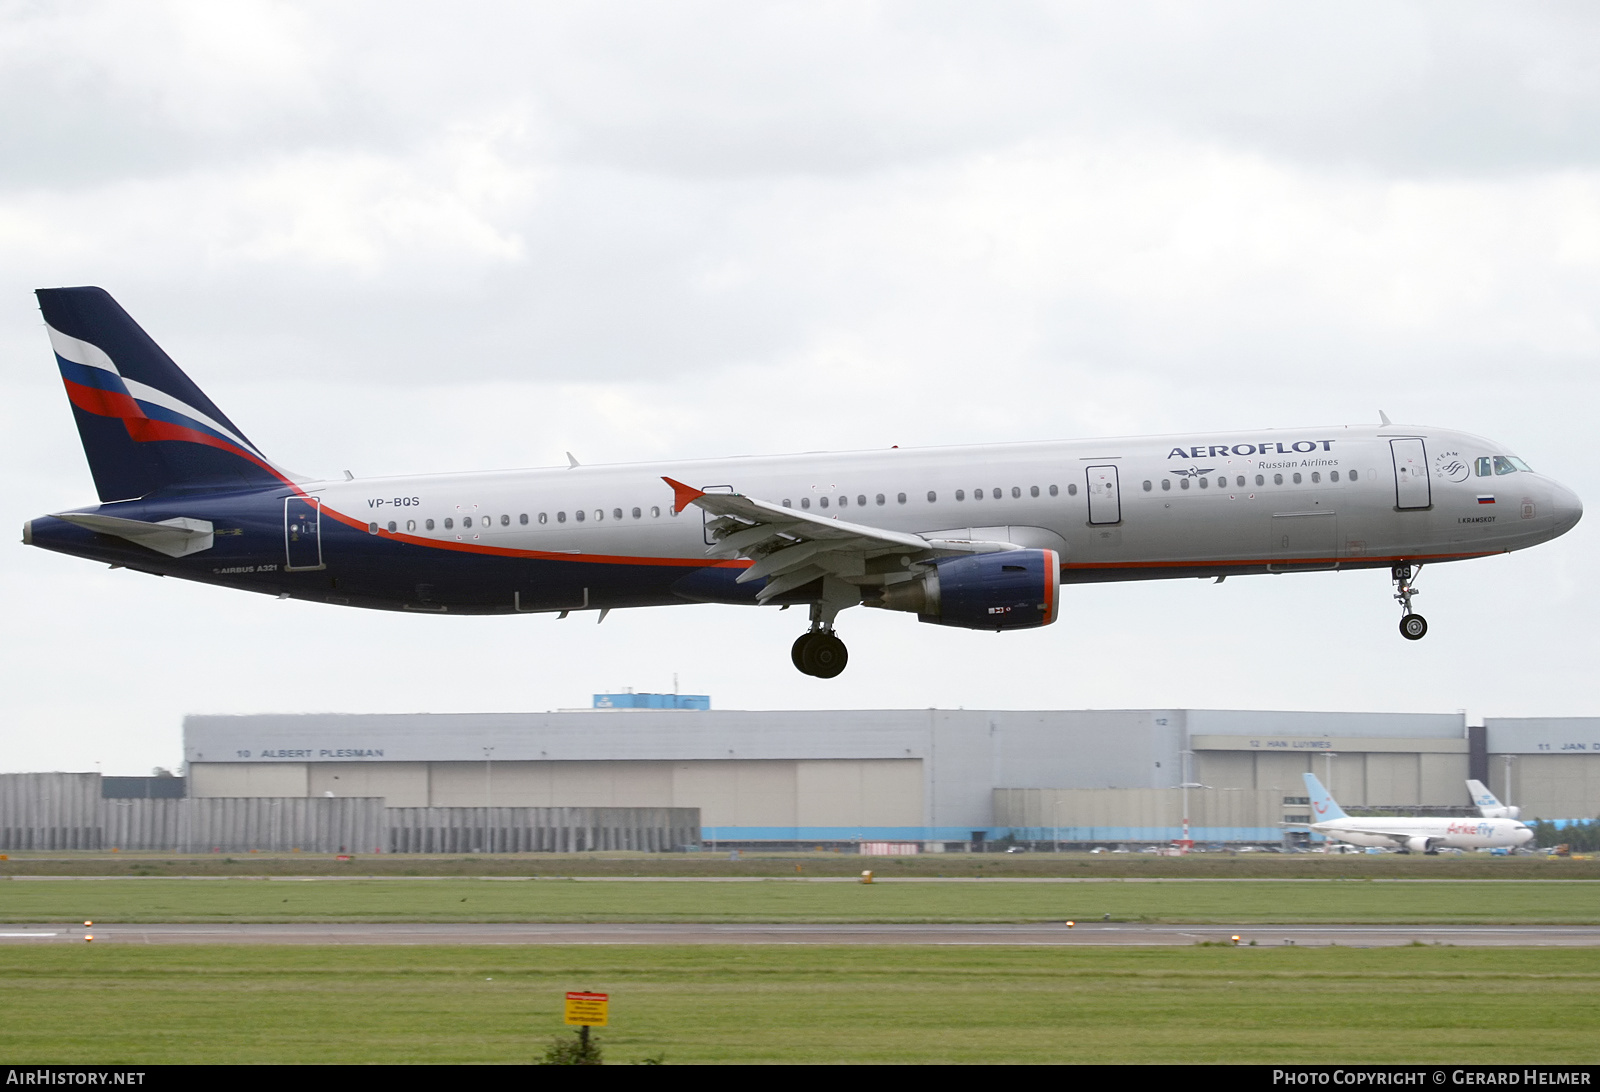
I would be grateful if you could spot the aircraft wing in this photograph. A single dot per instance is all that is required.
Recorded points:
(791, 548)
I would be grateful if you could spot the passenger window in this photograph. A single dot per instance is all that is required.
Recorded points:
(449, 523)
(961, 494)
(544, 518)
(1184, 482)
(429, 525)
(977, 494)
(1352, 475)
(1240, 482)
(899, 498)
(1205, 483)
(1016, 492)
(505, 521)
(1054, 491)
(599, 513)
(1147, 487)
(1260, 480)
(861, 500)
(578, 515)
(1072, 490)
(996, 493)
(1333, 475)
(411, 525)
(616, 513)
(882, 499)
(1033, 490)
(932, 497)
(637, 513)
(655, 511)
(786, 503)
(844, 501)
(805, 502)
(1222, 482)
(523, 519)
(822, 502)
(1277, 479)
(1166, 485)
(673, 512)
(466, 521)
(1316, 477)
(1297, 477)
(392, 526)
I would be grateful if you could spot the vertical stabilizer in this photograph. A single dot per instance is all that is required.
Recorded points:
(1323, 805)
(146, 428)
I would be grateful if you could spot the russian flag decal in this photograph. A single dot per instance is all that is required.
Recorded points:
(1485, 498)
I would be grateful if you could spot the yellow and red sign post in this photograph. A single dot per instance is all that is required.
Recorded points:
(585, 1011)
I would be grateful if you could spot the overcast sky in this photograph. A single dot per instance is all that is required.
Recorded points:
(405, 238)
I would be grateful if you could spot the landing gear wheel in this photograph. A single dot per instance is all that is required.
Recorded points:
(1413, 627)
(824, 655)
(798, 652)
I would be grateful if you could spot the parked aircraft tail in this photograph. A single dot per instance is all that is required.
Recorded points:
(1488, 804)
(1323, 805)
(146, 428)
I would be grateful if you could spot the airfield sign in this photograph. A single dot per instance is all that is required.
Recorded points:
(587, 1009)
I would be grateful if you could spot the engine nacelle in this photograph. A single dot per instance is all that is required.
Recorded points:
(1418, 844)
(1012, 589)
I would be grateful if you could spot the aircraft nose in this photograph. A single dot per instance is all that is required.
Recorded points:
(1566, 508)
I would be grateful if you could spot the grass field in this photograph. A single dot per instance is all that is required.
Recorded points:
(1473, 866)
(492, 900)
(132, 1005)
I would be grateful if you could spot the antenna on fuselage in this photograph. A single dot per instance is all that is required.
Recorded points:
(1383, 418)
(572, 461)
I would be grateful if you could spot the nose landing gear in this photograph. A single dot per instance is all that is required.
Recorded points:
(1413, 627)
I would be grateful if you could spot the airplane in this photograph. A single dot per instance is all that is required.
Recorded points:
(976, 537)
(1410, 834)
(1488, 803)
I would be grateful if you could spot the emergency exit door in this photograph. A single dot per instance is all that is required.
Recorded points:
(1105, 498)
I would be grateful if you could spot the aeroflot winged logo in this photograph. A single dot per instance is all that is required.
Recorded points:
(1217, 451)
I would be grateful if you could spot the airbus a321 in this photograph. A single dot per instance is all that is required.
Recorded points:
(974, 537)
(1412, 834)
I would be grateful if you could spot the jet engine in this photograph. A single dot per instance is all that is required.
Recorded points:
(1012, 589)
(1419, 844)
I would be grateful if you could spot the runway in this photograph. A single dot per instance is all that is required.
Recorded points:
(1055, 935)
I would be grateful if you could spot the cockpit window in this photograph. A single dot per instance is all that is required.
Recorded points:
(1509, 464)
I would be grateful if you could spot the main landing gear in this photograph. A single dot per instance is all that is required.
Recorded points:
(1413, 627)
(818, 652)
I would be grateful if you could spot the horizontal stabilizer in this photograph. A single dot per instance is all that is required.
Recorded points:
(177, 537)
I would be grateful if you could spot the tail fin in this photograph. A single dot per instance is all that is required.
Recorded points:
(1488, 804)
(146, 428)
(1323, 805)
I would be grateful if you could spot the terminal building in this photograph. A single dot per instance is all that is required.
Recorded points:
(937, 779)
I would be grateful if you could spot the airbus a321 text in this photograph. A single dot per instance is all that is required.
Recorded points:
(1411, 834)
(972, 537)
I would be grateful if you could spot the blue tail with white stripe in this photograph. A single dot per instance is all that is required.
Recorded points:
(147, 430)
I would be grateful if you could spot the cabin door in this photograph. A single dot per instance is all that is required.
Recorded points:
(1411, 486)
(302, 533)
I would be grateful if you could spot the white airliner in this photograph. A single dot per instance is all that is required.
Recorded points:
(973, 537)
(1488, 803)
(1413, 834)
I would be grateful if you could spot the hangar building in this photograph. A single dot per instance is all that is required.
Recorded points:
(943, 778)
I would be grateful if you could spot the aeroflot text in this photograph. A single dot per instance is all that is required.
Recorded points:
(1216, 451)
(1436, 1076)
